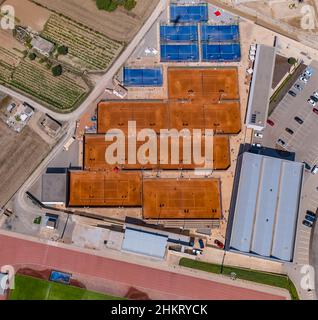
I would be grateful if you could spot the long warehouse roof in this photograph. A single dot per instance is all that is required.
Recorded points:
(267, 204)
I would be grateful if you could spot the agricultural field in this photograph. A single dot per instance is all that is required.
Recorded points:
(20, 155)
(120, 24)
(8, 61)
(62, 93)
(94, 51)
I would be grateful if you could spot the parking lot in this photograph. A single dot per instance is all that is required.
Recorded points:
(301, 138)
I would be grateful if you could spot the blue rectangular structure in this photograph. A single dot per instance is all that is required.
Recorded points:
(219, 33)
(221, 52)
(143, 77)
(175, 33)
(195, 13)
(179, 53)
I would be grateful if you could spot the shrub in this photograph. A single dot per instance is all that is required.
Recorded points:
(62, 50)
(32, 56)
(57, 70)
(130, 4)
(292, 60)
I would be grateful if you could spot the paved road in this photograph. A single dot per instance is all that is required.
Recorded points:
(158, 284)
(100, 87)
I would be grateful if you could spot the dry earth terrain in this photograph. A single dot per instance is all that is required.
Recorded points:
(121, 25)
(20, 155)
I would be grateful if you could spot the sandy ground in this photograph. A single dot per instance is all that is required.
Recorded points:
(29, 14)
(20, 154)
(120, 24)
(8, 42)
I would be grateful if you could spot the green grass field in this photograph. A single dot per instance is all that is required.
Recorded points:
(29, 288)
(274, 280)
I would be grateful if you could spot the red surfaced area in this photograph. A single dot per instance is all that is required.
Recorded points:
(20, 252)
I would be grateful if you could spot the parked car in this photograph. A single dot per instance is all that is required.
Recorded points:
(312, 102)
(201, 243)
(290, 131)
(314, 98)
(310, 218)
(292, 93)
(196, 251)
(314, 170)
(303, 79)
(219, 243)
(308, 72)
(307, 223)
(300, 121)
(298, 87)
(310, 213)
(307, 166)
(281, 142)
(315, 94)
(315, 110)
(258, 135)
(257, 145)
(270, 122)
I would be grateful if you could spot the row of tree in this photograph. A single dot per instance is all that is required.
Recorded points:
(111, 5)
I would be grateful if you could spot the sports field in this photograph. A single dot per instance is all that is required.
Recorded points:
(209, 85)
(89, 188)
(29, 288)
(222, 117)
(199, 98)
(95, 148)
(181, 199)
(147, 114)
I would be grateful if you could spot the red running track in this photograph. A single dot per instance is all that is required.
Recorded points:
(14, 251)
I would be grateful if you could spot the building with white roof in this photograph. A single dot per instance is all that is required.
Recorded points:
(266, 206)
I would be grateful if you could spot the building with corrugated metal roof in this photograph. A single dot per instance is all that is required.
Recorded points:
(266, 206)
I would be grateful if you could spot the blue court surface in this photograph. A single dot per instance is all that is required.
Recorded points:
(143, 77)
(60, 277)
(179, 33)
(220, 33)
(179, 53)
(221, 52)
(195, 13)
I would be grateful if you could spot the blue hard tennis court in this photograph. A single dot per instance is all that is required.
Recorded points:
(175, 33)
(143, 77)
(219, 33)
(179, 53)
(221, 52)
(195, 13)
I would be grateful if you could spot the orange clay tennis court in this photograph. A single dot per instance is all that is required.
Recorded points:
(209, 84)
(147, 114)
(95, 150)
(105, 189)
(181, 199)
(222, 117)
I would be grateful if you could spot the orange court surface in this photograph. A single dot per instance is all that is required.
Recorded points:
(209, 84)
(181, 199)
(89, 188)
(199, 98)
(95, 155)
